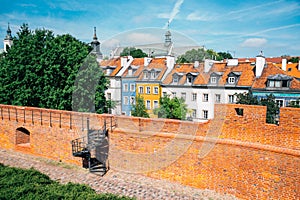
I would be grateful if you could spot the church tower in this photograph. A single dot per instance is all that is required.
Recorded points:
(168, 37)
(96, 46)
(8, 40)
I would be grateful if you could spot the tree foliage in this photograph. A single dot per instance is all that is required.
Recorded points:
(132, 51)
(139, 109)
(269, 102)
(294, 104)
(294, 59)
(40, 70)
(201, 54)
(171, 108)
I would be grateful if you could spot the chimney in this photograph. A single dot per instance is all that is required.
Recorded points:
(196, 64)
(283, 67)
(259, 65)
(208, 64)
(170, 62)
(147, 61)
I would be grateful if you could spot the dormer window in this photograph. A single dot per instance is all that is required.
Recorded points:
(175, 79)
(153, 74)
(146, 75)
(231, 80)
(279, 81)
(189, 79)
(233, 77)
(213, 79)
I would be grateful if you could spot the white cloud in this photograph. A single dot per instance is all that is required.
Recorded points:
(164, 15)
(195, 16)
(254, 42)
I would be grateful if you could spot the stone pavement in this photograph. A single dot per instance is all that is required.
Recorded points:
(120, 183)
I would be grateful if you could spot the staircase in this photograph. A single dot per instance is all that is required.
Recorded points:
(93, 149)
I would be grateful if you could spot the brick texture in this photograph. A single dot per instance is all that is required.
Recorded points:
(236, 154)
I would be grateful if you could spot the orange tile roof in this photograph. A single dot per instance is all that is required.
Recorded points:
(270, 59)
(245, 79)
(184, 69)
(291, 69)
(271, 69)
(158, 64)
(112, 62)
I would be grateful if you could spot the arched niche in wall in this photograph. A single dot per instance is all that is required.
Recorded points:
(22, 136)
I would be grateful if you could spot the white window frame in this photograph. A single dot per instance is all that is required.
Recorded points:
(148, 90)
(205, 114)
(194, 96)
(231, 80)
(281, 101)
(125, 88)
(175, 79)
(183, 95)
(205, 97)
(218, 98)
(132, 100)
(141, 90)
(132, 87)
(213, 79)
(155, 104)
(173, 94)
(155, 90)
(148, 104)
(125, 100)
(230, 98)
(194, 113)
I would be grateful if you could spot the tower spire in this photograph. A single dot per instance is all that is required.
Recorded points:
(95, 35)
(8, 33)
(96, 46)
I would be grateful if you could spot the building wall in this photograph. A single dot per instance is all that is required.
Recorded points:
(114, 92)
(152, 96)
(235, 153)
(128, 94)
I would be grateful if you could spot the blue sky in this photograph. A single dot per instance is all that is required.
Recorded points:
(243, 28)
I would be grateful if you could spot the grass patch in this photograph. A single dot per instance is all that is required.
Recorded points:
(16, 183)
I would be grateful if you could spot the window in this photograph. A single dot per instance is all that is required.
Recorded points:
(132, 100)
(155, 104)
(155, 90)
(231, 80)
(152, 74)
(175, 79)
(125, 89)
(173, 94)
(218, 98)
(148, 104)
(231, 98)
(189, 79)
(148, 90)
(213, 79)
(275, 83)
(279, 102)
(109, 96)
(125, 100)
(194, 96)
(132, 88)
(194, 113)
(205, 114)
(164, 94)
(146, 75)
(141, 89)
(205, 97)
(183, 95)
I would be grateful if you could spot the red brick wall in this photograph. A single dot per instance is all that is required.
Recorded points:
(240, 155)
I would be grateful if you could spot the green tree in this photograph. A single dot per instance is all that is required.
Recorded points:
(193, 55)
(294, 104)
(90, 86)
(294, 59)
(139, 109)
(132, 51)
(40, 69)
(224, 55)
(269, 102)
(171, 108)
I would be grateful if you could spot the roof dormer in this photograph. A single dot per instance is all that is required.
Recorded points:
(190, 77)
(215, 77)
(176, 77)
(233, 78)
(279, 81)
